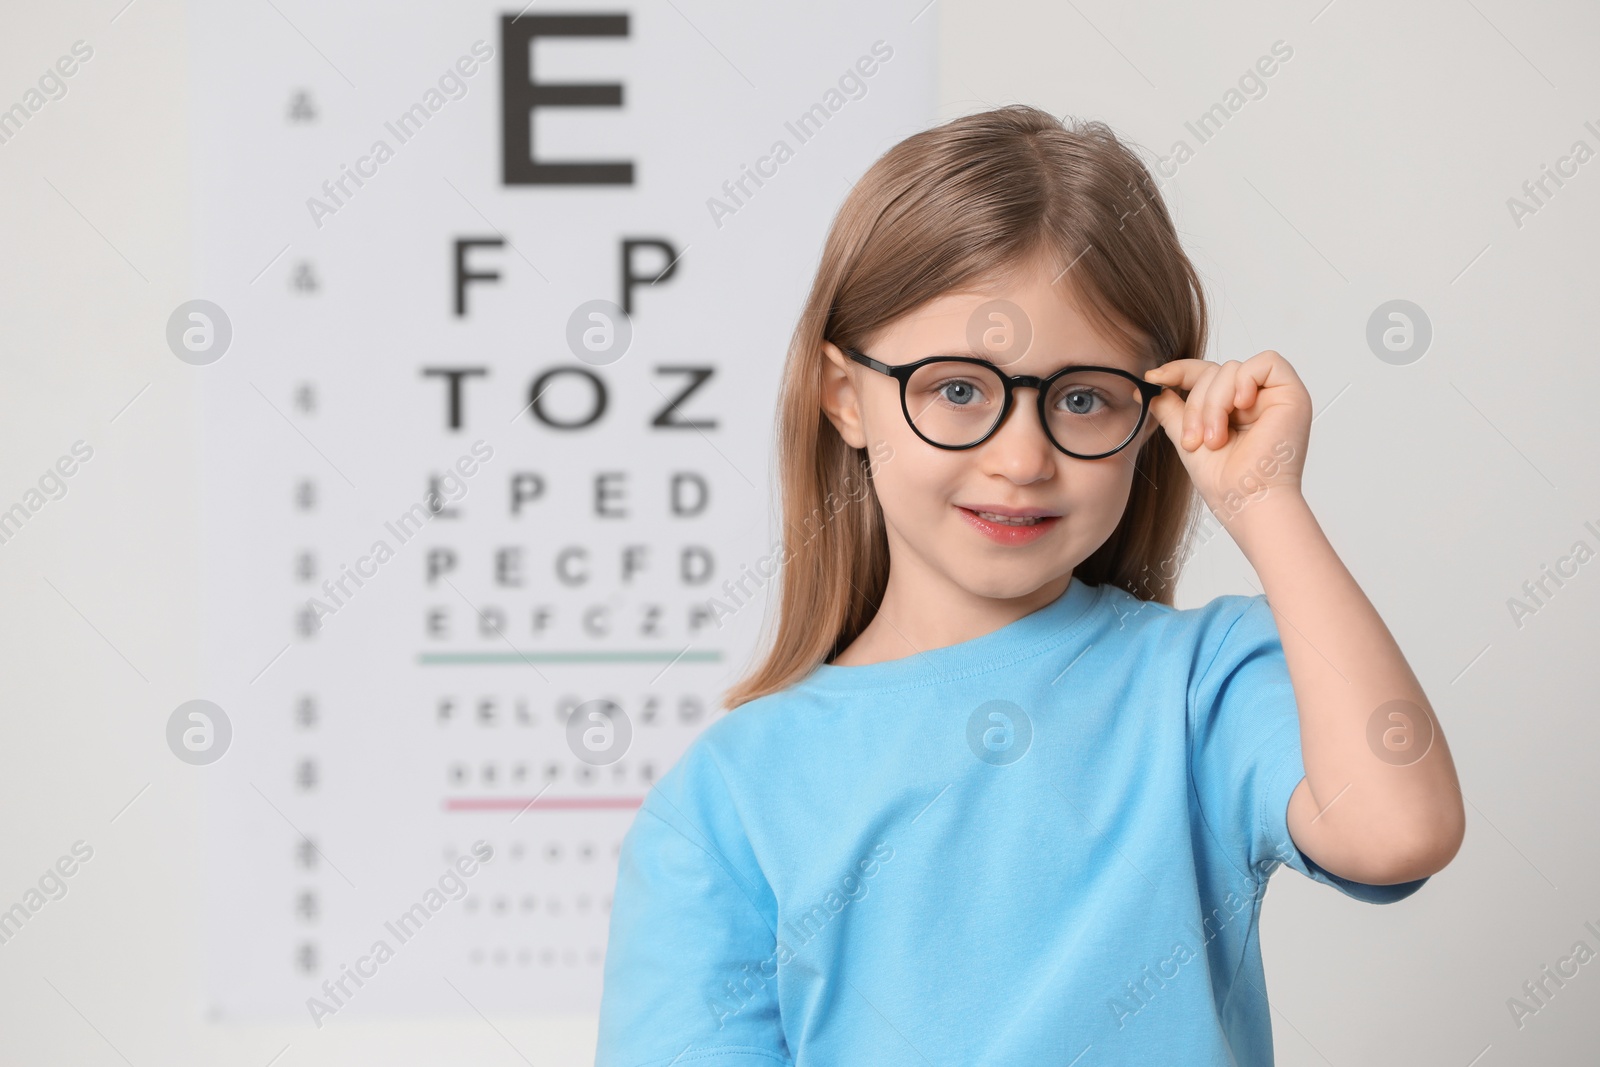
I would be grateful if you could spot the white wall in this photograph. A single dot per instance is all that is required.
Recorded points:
(1377, 166)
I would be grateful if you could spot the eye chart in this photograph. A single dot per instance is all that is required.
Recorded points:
(489, 314)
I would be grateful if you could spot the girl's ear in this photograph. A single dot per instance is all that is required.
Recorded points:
(841, 400)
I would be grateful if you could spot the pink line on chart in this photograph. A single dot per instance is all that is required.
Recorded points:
(553, 804)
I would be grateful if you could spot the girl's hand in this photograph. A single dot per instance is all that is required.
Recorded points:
(1242, 429)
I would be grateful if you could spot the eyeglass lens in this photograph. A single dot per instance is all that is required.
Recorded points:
(956, 404)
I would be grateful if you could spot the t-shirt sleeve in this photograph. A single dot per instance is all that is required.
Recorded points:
(690, 967)
(1245, 758)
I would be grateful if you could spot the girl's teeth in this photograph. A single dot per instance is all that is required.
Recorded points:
(1005, 520)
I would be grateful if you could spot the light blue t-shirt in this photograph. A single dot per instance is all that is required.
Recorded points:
(1044, 845)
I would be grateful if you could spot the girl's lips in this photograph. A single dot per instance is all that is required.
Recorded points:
(1004, 534)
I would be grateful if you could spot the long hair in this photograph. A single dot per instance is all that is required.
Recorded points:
(947, 209)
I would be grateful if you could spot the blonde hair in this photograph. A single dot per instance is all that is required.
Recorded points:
(948, 209)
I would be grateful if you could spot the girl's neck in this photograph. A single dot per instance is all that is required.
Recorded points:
(912, 621)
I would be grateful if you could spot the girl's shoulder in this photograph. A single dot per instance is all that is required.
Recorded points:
(1199, 640)
(1123, 610)
(739, 742)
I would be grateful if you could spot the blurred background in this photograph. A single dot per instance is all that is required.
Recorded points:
(387, 387)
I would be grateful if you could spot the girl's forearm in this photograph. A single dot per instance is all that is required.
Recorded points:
(1367, 810)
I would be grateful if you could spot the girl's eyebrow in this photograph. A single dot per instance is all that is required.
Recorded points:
(1109, 359)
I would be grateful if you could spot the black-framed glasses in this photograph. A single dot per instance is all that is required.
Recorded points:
(958, 402)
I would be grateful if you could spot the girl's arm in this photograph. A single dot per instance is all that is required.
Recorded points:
(1380, 802)
(692, 951)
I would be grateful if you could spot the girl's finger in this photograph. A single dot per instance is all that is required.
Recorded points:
(1193, 409)
(1245, 389)
(1258, 372)
(1179, 373)
(1218, 403)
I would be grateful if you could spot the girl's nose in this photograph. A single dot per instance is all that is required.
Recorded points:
(1021, 445)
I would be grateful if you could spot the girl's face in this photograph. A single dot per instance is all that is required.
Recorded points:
(939, 547)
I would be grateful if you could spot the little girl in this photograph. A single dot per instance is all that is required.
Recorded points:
(990, 798)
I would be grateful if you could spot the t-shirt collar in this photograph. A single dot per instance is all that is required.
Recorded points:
(1059, 620)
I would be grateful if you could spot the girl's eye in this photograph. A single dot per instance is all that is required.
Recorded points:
(960, 392)
(1081, 401)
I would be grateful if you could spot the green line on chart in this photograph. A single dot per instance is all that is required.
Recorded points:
(435, 659)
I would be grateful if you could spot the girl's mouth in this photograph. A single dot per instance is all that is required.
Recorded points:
(1009, 531)
(990, 516)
